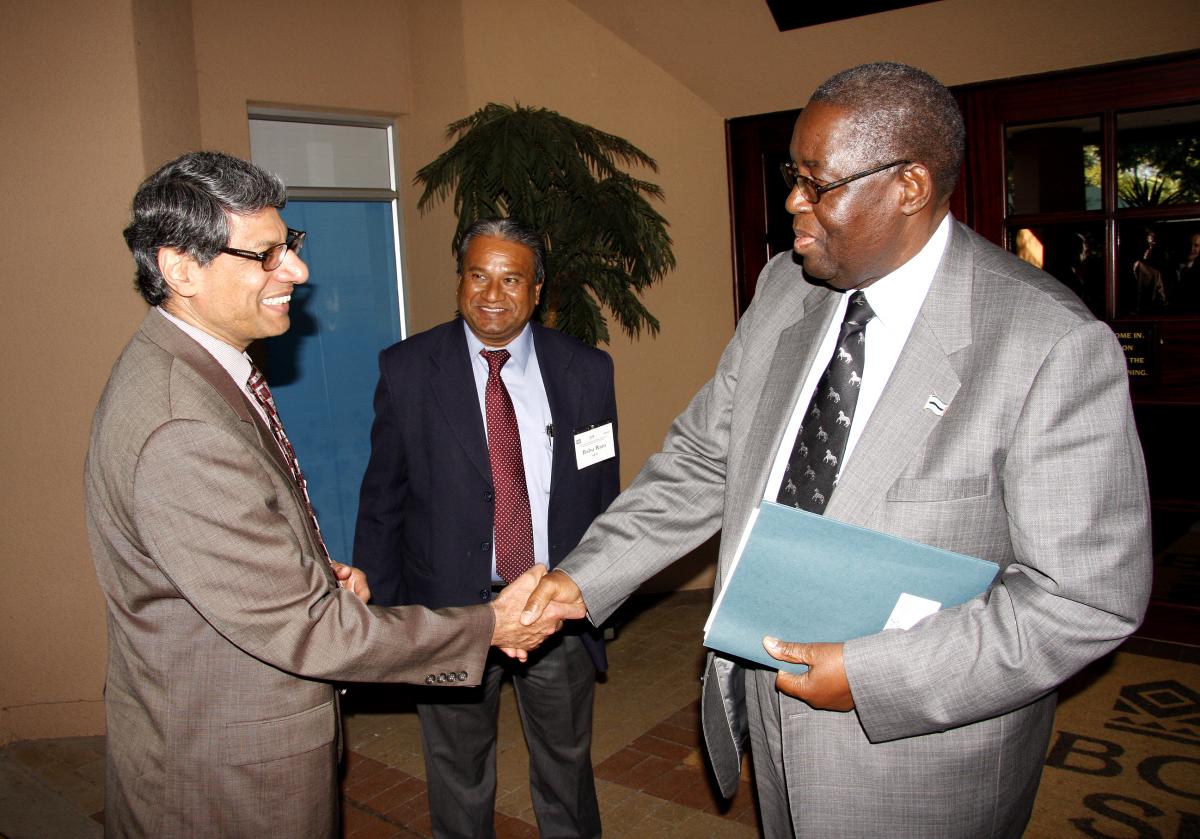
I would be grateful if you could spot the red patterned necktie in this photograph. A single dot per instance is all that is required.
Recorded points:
(258, 386)
(512, 523)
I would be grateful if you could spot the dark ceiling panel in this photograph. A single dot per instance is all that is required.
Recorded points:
(794, 14)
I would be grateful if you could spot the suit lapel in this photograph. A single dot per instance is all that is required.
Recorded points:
(903, 419)
(792, 358)
(453, 386)
(177, 342)
(804, 315)
(563, 392)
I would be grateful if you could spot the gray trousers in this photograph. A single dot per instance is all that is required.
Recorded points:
(766, 753)
(555, 691)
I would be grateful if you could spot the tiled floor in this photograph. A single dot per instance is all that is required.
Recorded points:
(650, 774)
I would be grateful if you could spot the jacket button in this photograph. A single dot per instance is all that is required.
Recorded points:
(441, 678)
(488, 496)
(462, 675)
(485, 594)
(430, 679)
(485, 546)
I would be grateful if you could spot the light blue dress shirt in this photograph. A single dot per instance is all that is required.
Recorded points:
(523, 378)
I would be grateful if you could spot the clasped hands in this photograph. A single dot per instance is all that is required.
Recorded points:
(532, 608)
(519, 627)
(825, 686)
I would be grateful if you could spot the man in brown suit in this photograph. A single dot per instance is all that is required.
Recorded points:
(226, 617)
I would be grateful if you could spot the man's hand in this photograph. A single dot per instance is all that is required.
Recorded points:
(512, 633)
(351, 579)
(824, 686)
(555, 598)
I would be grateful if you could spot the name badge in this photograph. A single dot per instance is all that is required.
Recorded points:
(594, 444)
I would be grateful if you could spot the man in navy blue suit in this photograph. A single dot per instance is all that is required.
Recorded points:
(434, 526)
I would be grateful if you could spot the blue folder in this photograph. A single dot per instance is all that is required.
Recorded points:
(804, 577)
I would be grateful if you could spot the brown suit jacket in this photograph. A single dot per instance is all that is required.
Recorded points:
(224, 620)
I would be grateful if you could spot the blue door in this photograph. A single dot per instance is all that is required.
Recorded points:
(323, 371)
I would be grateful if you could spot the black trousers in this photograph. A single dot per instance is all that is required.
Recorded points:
(555, 690)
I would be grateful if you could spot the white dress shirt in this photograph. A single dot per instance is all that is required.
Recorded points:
(896, 299)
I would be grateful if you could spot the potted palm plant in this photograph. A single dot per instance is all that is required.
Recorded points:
(605, 244)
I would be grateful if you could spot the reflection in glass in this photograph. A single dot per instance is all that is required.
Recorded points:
(1158, 265)
(1073, 253)
(1053, 166)
(1158, 157)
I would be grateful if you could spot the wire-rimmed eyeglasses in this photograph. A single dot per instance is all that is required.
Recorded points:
(272, 257)
(812, 191)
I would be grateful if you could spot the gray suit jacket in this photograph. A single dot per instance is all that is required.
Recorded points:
(1035, 465)
(224, 620)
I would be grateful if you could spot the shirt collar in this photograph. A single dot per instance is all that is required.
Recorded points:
(519, 348)
(897, 297)
(235, 361)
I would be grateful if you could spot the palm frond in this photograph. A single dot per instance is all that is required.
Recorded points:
(605, 242)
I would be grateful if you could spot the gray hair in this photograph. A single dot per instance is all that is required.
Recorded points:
(510, 230)
(899, 111)
(186, 205)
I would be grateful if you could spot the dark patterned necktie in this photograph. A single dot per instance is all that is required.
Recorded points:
(811, 473)
(513, 524)
(258, 386)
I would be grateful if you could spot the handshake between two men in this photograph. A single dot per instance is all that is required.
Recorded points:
(554, 597)
(523, 622)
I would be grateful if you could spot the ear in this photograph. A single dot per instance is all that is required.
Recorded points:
(917, 184)
(179, 270)
(537, 293)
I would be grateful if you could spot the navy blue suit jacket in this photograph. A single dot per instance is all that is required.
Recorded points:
(424, 533)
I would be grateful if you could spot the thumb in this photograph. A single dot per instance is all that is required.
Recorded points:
(790, 651)
(538, 600)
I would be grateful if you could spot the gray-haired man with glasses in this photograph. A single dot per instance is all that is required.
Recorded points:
(227, 619)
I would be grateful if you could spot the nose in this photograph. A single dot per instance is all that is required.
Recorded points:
(796, 202)
(493, 289)
(293, 269)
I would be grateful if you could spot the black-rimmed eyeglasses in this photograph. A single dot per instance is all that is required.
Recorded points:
(812, 191)
(272, 257)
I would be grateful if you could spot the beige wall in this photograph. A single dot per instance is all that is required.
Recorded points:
(348, 56)
(70, 131)
(732, 55)
(99, 92)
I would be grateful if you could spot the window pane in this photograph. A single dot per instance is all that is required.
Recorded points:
(323, 370)
(1053, 166)
(1073, 253)
(311, 154)
(1158, 157)
(1158, 266)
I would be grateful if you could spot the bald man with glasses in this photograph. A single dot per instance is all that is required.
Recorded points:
(979, 407)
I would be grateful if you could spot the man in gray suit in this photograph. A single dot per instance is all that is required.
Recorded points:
(226, 616)
(992, 418)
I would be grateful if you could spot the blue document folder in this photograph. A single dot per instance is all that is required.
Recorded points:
(804, 577)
